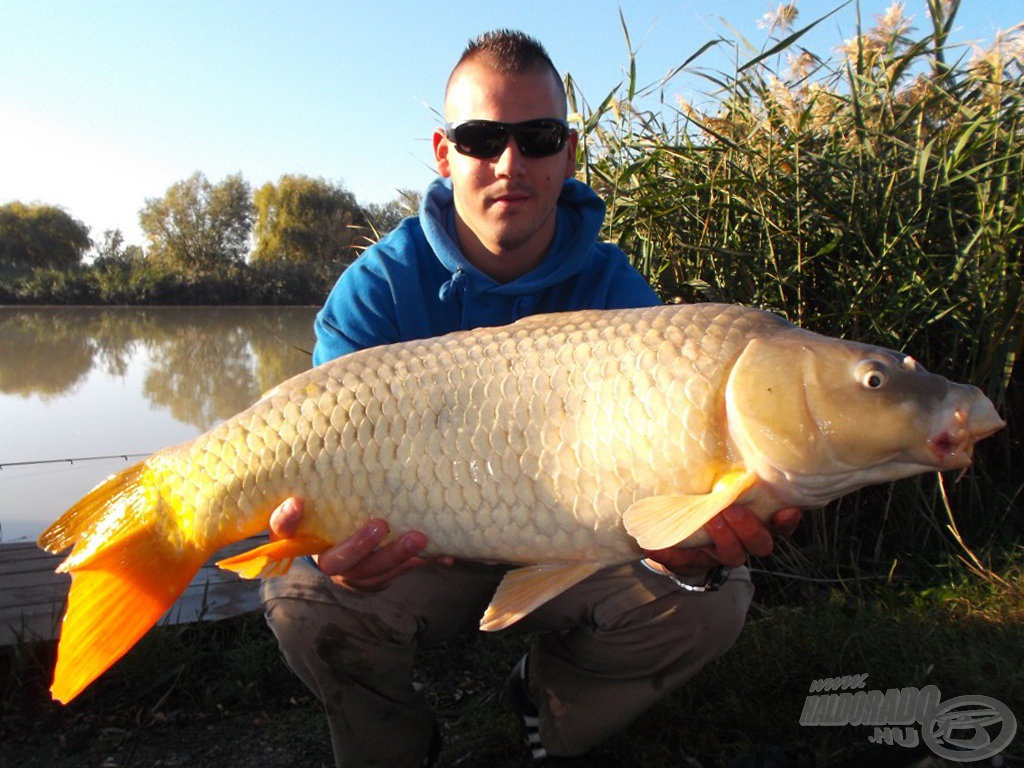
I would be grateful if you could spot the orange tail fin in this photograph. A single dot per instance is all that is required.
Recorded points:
(125, 574)
(113, 601)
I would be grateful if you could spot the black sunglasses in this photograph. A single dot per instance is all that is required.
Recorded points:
(484, 139)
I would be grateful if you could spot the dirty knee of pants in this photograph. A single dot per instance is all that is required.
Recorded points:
(360, 668)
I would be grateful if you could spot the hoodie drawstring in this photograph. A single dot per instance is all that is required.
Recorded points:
(454, 289)
(523, 306)
(457, 282)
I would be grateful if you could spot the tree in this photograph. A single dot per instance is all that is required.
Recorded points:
(40, 236)
(385, 217)
(112, 250)
(198, 227)
(306, 220)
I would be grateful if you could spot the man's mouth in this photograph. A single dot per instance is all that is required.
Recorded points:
(512, 196)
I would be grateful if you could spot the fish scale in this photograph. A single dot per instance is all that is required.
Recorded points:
(561, 443)
(452, 397)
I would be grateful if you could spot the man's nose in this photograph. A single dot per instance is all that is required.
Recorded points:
(511, 161)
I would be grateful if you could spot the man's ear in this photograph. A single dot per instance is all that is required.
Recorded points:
(441, 149)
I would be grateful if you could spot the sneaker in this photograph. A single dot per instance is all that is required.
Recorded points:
(517, 694)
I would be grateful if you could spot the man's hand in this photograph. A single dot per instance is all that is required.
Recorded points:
(735, 534)
(359, 562)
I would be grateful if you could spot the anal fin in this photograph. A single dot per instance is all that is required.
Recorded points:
(527, 588)
(274, 558)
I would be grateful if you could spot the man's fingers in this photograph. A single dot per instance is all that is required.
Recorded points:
(727, 547)
(785, 521)
(390, 557)
(284, 521)
(381, 580)
(342, 558)
(685, 562)
(735, 534)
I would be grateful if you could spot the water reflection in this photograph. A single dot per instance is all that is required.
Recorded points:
(205, 363)
(88, 381)
(42, 354)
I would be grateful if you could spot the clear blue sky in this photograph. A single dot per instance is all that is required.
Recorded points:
(105, 103)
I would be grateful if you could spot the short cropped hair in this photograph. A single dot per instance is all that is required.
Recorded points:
(510, 52)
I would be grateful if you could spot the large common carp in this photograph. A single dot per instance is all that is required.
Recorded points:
(563, 443)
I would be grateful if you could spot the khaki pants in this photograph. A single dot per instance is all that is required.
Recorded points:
(605, 651)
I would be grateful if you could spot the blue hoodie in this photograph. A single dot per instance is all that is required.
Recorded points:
(416, 283)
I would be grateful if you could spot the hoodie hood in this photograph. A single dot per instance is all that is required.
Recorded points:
(416, 283)
(579, 217)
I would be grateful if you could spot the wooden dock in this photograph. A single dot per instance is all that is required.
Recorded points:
(33, 596)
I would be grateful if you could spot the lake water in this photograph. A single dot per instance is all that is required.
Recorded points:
(82, 382)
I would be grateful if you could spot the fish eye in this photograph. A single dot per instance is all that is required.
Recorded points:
(872, 374)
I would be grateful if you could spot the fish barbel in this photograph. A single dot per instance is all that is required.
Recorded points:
(562, 443)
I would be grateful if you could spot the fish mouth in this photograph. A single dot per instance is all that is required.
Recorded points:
(953, 446)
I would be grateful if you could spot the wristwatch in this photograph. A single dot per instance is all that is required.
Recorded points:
(713, 579)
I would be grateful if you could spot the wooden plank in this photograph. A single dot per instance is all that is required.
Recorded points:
(33, 596)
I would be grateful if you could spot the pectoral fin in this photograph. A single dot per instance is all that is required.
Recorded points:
(525, 589)
(273, 559)
(659, 522)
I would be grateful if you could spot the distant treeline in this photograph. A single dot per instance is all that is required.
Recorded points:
(206, 243)
(145, 282)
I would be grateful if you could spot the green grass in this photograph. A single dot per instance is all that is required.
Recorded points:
(226, 684)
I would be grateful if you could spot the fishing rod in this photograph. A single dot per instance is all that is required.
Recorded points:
(125, 456)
